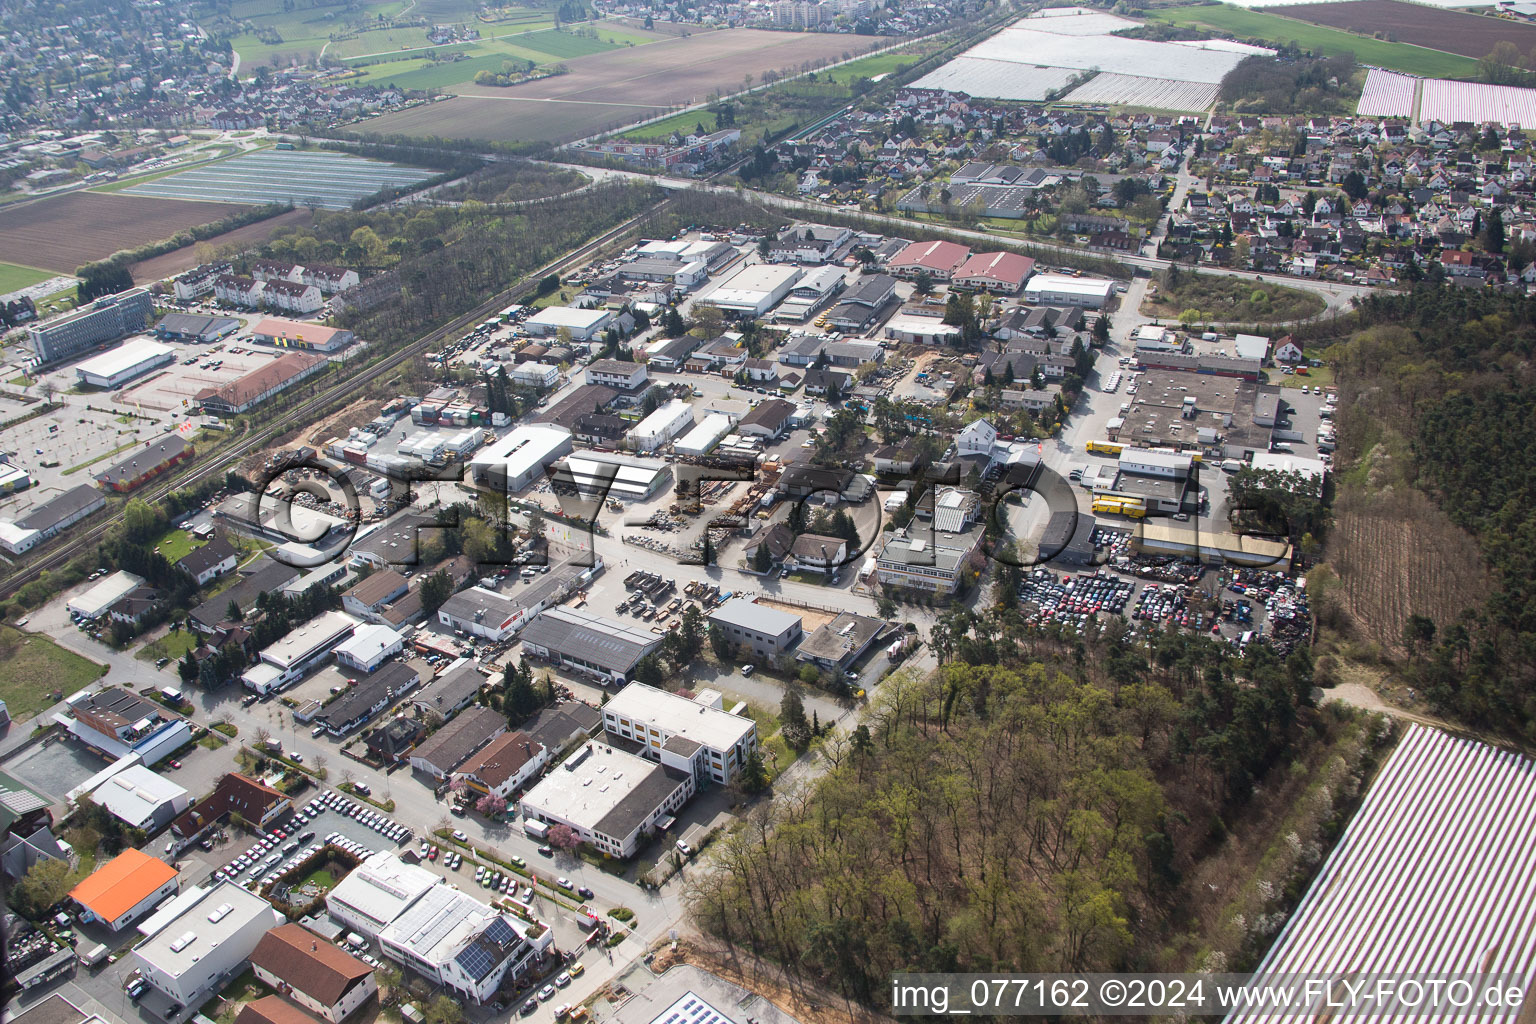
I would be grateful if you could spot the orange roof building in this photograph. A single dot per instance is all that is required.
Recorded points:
(124, 889)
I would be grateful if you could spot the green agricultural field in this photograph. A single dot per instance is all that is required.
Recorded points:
(680, 123)
(1250, 24)
(870, 67)
(33, 666)
(562, 45)
(14, 276)
(442, 74)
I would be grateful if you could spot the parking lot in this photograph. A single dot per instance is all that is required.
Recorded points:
(330, 817)
(173, 387)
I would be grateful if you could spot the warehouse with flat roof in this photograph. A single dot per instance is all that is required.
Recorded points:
(293, 655)
(118, 366)
(583, 324)
(607, 797)
(753, 290)
(1062, 290)
(195, 327)
(611, 475)
(598, 646)
(515, 460)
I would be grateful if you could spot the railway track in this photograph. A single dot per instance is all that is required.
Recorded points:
(306, 411)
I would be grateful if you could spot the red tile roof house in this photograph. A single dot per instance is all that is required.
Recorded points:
(997, 272)
(257, 803)
(939, 260)
(321, 977)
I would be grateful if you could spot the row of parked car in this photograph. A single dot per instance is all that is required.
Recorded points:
(259, 864)
(379, 822)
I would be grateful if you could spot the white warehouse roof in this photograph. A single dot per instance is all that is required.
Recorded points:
(303, 642)
(524, 449)
(368, 641)
(104, 594)
(761, 618)
(702, 437)
(136, 793)
(570, 316)
(752, 286)
(1432, 876)
(381, 887)
(1062, 284)
(125, 357)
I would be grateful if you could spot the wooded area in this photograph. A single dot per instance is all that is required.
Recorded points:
(444, 261)
(1437, 391)
(1033, 805)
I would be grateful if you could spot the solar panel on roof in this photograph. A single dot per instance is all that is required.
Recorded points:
(500, 932)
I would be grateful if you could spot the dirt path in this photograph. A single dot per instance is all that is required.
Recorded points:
(1361, 696)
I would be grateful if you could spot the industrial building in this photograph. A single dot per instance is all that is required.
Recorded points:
(600, 647)
(446, 935)
(251, 389)
(698, 736)
(94, 602)
(662, 425)
(611, 475)
(118, 366)
(365, 598)
(938, 260)
(146, 463)
(486, 613)
(753, 290)
(1062, 290)
(138, 796)
(481, 612)
(813, 289)
(376, 892)
(512, 462)
(862, 304)
(936, 565)
(583, 324)
(303, 334)
(1001, 273)
(50, 518)
(193, 946)
(533, 374)
(703, 437)
(305, 646)
(1182, 540)
(369, 646)
(836, 645)
(124, 889)
(195, 327)
(367, 697)
(608, 797)
(109, 318)
(464, 945)
(767, 632)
